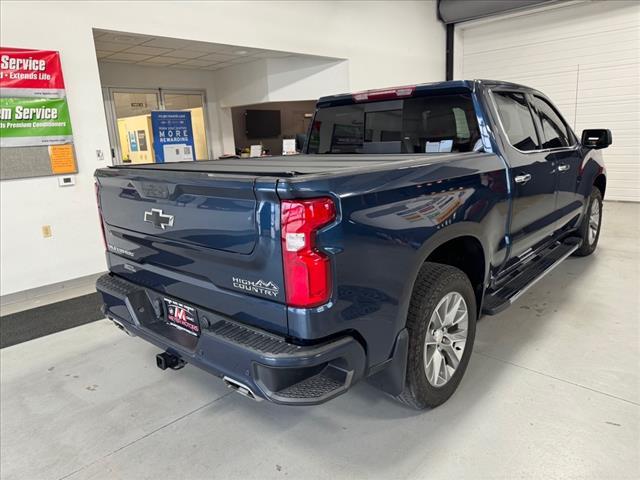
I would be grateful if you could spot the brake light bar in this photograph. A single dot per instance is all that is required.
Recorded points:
(307, 271)
(384, 93)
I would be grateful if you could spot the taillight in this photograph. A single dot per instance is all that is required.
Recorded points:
(104, 236)
(307, 271)
(384, 94)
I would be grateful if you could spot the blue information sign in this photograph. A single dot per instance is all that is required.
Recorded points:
(133, 141)
(172, 136)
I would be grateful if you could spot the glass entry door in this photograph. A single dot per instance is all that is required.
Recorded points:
(133, 124)
(194, 102)
(129, 119)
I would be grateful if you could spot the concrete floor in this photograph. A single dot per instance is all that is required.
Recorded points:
(552, 391)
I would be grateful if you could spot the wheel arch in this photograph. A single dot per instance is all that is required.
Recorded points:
(448, 246)
(600, 183)
(466, 254)
(391, 377)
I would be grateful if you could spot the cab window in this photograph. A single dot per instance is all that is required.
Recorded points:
(555, 131)
(426, 124)
(517, 120)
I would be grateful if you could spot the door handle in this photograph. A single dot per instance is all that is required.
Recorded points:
(564, 167)
(523, 178)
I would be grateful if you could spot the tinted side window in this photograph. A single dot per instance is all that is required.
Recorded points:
(517, 120)
(555, 131)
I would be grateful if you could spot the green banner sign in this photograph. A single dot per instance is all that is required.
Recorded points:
(34, 121)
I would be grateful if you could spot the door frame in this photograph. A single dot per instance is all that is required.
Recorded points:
(513, 189)
(111, 117)
(205, 112)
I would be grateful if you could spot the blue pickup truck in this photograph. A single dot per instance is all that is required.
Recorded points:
(412, 211)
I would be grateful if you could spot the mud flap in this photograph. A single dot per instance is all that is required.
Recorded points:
(390, 376)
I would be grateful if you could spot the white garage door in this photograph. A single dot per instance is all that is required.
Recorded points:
(585, 57)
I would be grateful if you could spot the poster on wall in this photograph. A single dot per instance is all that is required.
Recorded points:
(62, 159)
(172, 136)
(35, 128)
(142, 140)
(133, 141)
(30, 73)
(28, 122)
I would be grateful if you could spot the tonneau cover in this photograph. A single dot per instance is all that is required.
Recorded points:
(280, 166)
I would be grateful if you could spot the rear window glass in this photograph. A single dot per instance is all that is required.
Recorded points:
(517, 120)
(441, 123)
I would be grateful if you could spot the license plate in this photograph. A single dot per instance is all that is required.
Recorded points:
(182, 316)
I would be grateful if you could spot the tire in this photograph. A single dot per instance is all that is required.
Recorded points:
(589, 236)
(435, 284)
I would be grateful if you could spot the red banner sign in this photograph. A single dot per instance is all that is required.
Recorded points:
(30, 73)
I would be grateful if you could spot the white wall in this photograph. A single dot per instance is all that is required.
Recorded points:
(281, 80)
(242, 84)
(384, 43)
(300, 78)
(585, 57)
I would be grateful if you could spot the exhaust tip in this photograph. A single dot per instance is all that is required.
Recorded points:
(120, 326)
(240, 388)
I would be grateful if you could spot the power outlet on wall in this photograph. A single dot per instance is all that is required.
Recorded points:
(46, 231)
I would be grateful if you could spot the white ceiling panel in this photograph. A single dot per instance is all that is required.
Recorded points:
(162, 42)
(160, 61)
(244, 59)
(126, 38)
(196, 63)
(218, 66)
(229, 49)
(183, 53)
(111, 60)
(272, 54)
(205, 47)
(148, 50)
(133, 57)
(123, 47)
(216, 57)
(110, 46)
(186, 67)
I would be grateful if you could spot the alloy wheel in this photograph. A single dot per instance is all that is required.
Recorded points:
(445, 339)
(594, 221)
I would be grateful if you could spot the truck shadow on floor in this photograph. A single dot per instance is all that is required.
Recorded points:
(524, 324)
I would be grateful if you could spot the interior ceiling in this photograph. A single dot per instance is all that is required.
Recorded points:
(153, 51)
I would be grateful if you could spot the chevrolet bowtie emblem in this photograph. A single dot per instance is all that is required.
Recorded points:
(158, 218)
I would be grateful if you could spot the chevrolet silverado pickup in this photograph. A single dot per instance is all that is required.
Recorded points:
(411, 212)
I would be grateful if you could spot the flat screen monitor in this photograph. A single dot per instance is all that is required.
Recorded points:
(262, 123)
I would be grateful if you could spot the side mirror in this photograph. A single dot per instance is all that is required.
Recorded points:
(596, 138)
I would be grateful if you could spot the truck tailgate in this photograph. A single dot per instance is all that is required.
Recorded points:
(207, 240)
(216, 214)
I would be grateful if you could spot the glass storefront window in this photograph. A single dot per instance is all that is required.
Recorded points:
(131, 126)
